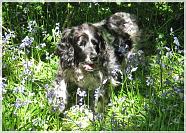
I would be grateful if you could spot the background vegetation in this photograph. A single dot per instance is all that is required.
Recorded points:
(151, 97)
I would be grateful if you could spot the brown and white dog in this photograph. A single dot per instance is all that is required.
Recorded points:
(91, 58)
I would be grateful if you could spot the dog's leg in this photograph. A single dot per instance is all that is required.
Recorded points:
(62, 94)
(57, 95)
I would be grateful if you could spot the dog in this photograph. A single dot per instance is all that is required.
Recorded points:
(92, 57)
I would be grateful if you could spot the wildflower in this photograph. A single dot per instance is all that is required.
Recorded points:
(169, 54)
(105, 81)
(128, 69)
(61, 107)
(18, 103)
(98, 92)
(27, 64)
(27, 71)
(162, 65)
(176, 78)
(42, 45)
(164, 94)
(167, 48)
(20, 89)
(23, 80)
(44, 33)
(81, 93)
(178, 90)
(2, 86)
(122, 99)
(6, 38)
(46, 86)
(149, 81)
(37, 47)
(48, 57)
(130, 77)
(26, 10)
(30, 94)
(134, 69)
(167, 82)
(57, 30)
(31, 26)
(171, 31)
(176, 41)
(26, 42)
(180, 51)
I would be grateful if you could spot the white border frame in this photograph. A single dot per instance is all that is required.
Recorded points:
(91, 1)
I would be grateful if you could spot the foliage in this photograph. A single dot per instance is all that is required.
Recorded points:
(151, 96)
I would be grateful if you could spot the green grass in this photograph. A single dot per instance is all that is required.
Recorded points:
(150, 98)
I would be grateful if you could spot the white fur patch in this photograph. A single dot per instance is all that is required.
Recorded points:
(61, 91)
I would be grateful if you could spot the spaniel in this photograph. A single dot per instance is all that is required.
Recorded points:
(92, 57)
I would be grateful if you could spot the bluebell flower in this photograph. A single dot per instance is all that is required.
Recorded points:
(97, 93)
(57, 31)
(134, 69)
(7, 37)
(27, 71)
(46, 86)
(171, 31)
(167, 48)
(149, 81)
(176, 78)
(81, 93)
(163, 65)
(178, 90)
(18, 103)
(167, 82)
(3, 85)
(130, 77)
(26, 42)
(48, 57)
(169, 54)
(42, 45)
(27, 64)
(176, 41)
(61, 106)
(26, 10)
(31, 26)
(44, 33)
(20, 89)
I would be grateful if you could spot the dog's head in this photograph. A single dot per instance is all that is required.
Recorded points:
(81, 45)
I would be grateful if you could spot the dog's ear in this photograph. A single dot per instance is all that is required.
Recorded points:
(102, 43)
(65, 49)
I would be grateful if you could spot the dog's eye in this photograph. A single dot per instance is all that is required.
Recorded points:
(82, 43)
(94, 42)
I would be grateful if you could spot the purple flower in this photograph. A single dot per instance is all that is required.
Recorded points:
(178, 90)
(57, 30)
(130, 77)
(20, 89)
(6, 38)
(176, 41)
(27, 64)
(167, 48)
(81, 93)
(3, 85)
(134, 69)
(31, 26)
(149, 81)
(46, 86)
(42, 45)
(26, 42)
